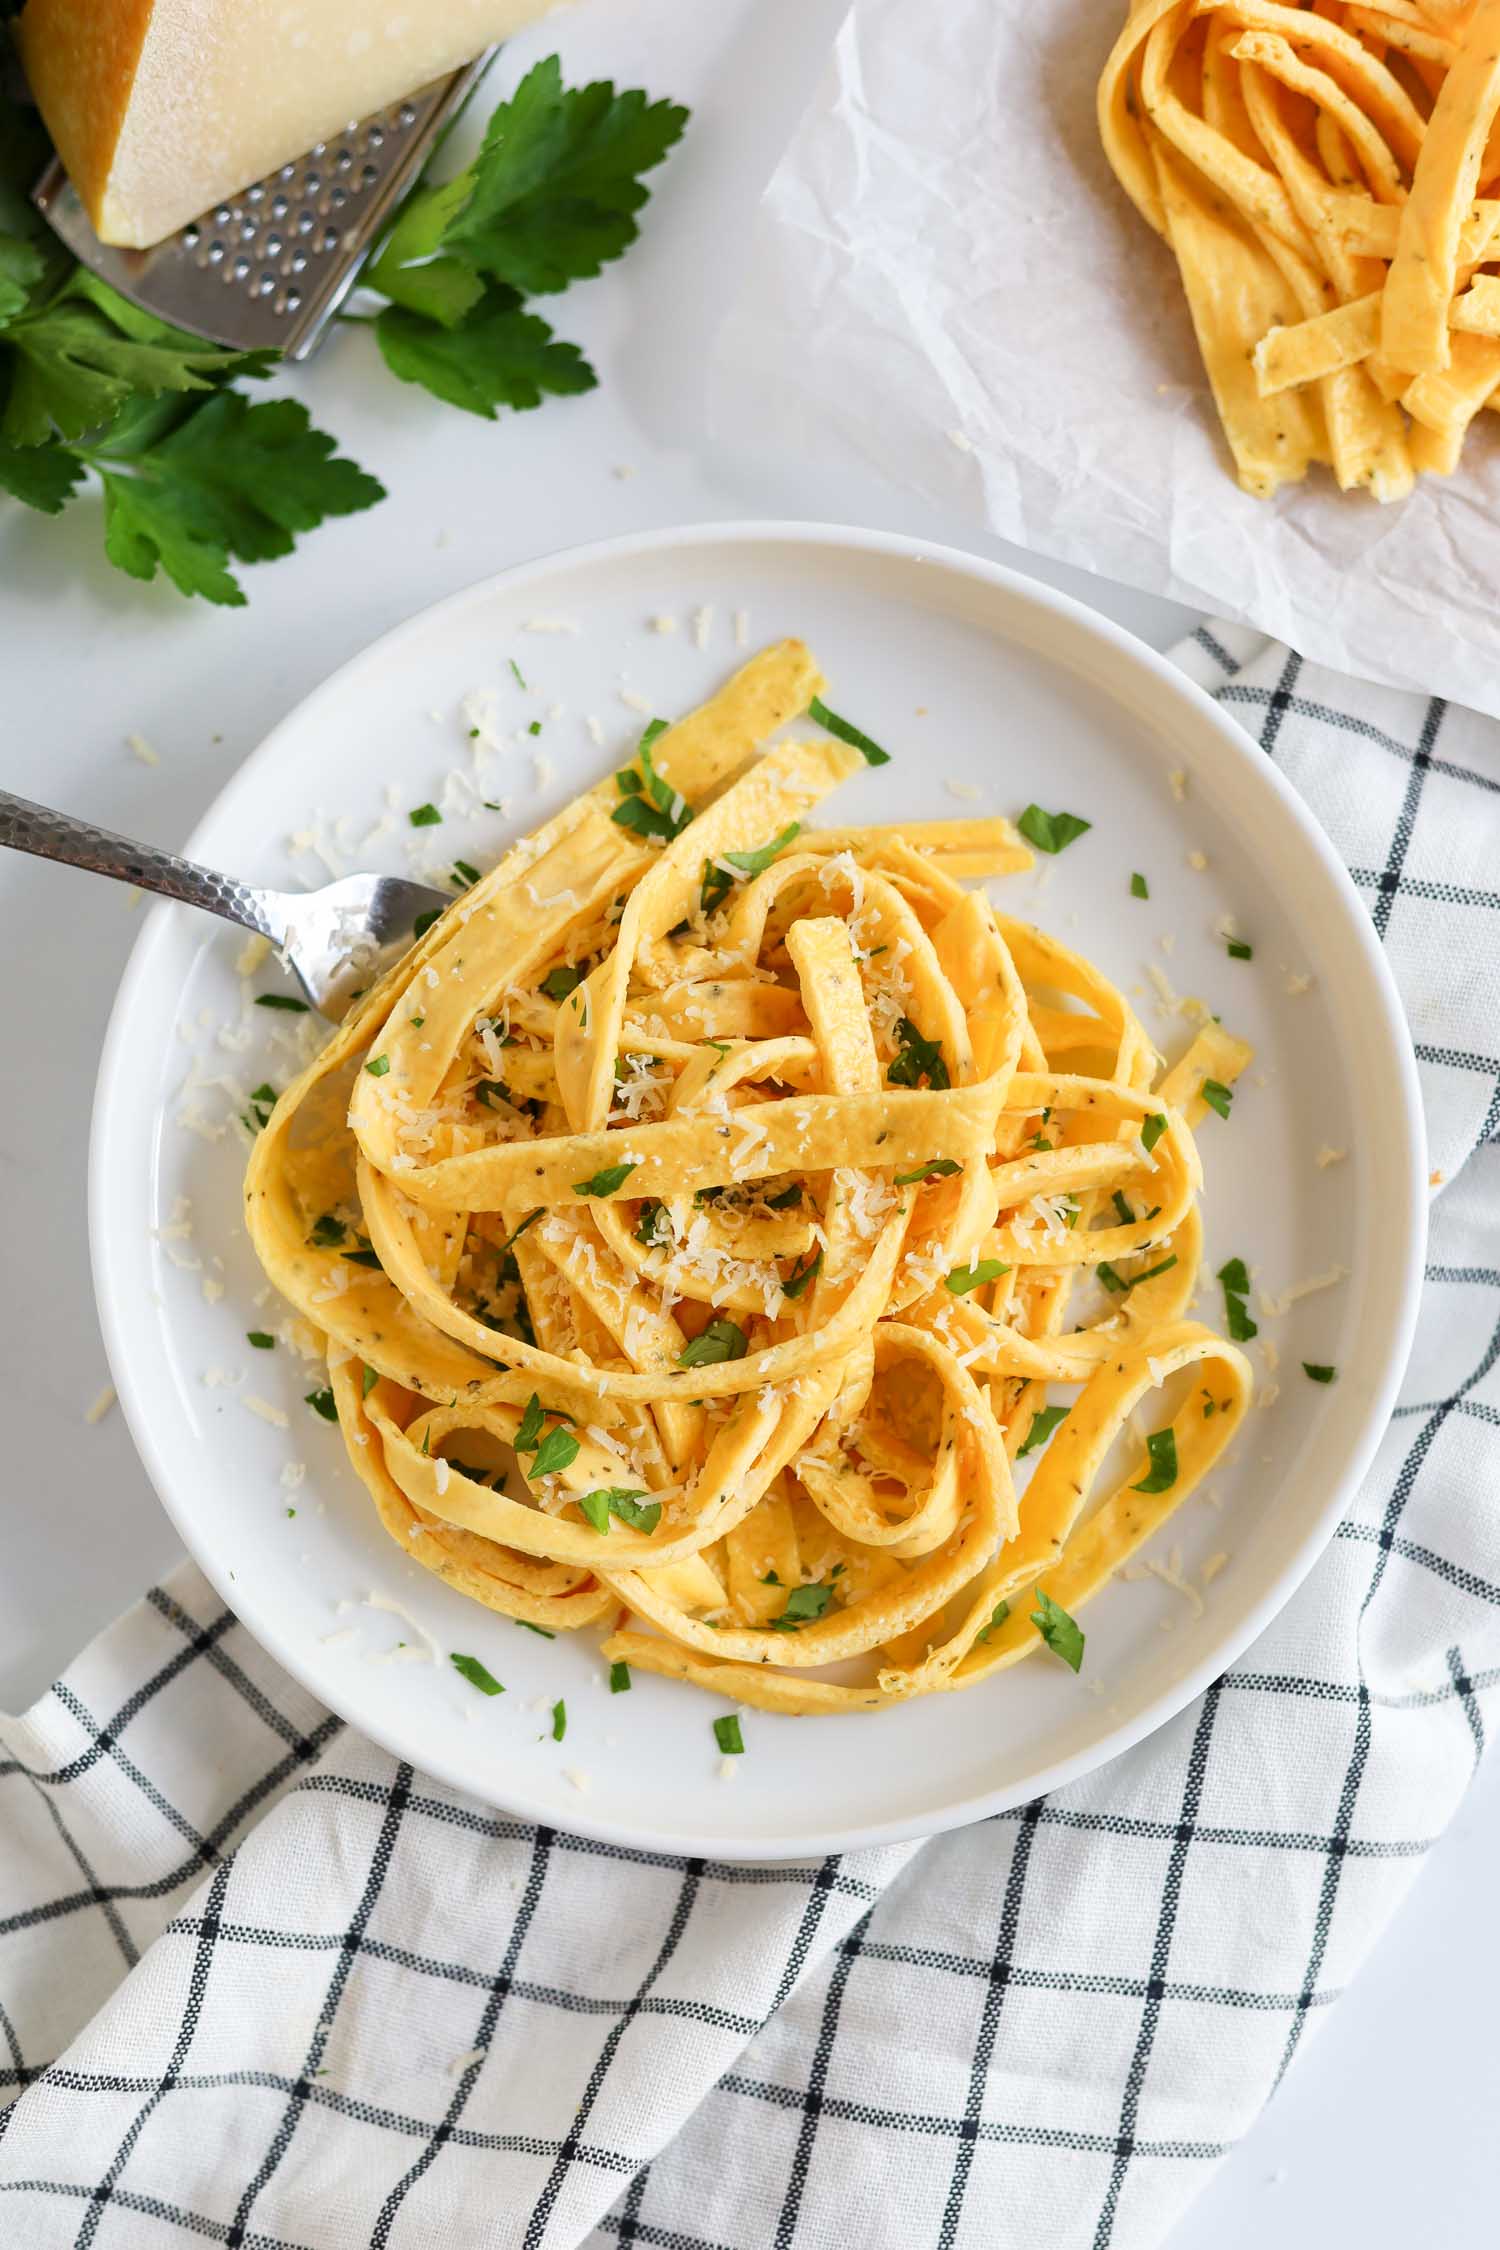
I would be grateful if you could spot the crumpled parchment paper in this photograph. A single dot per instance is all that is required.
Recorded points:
(946, 283)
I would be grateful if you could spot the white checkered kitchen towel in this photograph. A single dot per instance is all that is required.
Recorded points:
(263, 1986)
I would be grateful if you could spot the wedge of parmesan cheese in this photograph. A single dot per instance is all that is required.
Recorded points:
(162, 108)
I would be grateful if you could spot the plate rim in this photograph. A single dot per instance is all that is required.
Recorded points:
(1162, 677)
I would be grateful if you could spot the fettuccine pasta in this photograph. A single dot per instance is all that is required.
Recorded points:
(1326, 177)
(695, 1220)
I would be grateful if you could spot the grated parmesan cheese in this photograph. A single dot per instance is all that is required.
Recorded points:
(140, 748)
(1274, 1304)
(1327, 1156)
(101, 1405)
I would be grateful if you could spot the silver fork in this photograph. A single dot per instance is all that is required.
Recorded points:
(332, 939)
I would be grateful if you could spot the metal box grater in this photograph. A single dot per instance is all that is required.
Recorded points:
(268, 269)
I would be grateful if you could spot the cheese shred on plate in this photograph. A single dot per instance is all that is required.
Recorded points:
(712, 1303)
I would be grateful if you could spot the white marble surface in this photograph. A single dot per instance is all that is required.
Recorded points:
(1384, 2135)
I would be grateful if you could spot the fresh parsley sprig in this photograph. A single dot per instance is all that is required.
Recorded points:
(196, 477)
(551, 198)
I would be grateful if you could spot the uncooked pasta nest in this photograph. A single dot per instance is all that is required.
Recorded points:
(699, 1214)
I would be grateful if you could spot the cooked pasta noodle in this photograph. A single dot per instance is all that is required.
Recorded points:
(1325, 176)
(693, 1218)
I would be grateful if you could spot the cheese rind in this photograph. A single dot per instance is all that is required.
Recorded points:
(160, 109)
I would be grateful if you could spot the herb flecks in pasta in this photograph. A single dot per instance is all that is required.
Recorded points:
(700, 1214)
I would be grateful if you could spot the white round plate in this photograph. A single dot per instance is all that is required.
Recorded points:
(989, 692)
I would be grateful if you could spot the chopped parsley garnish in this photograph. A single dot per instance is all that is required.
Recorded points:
(425, 816)
(477, 1674)
(1152, 1129)
(559, 1720)
(653, 1227)
(802, 1604)
(367, 1381)
(720, 1340)
(262, 1102)
(259, 1341)
(321, 1402)
(1239, 951)
(1123, 1211)
(1042, 1426)
(964, 1278)
(918, 1058)
(796, 1283)
(1060, 1632)
(649, 805)
(1161, 1445)
(492, 1092)
(619, 1677)
(1139, 887)
(607, 1182)
(846, 731)
(328, 1232)
(1040, 1141)
(424, 921)
(728, 1737)
(558, 1450)
(516, 671)
(788, 1199)
(1122, 1283)
(1217, 1096)
(463, 876)
(530, 1220)
(542, 1632)
(1319, 1374)
(379, 1066)
(616, 1500)
(364, 1256)
(938, 1168)
(535, 727)
(1049, 831)
(1002, 1611)
(282, 1000)
(529, 1436)
(717, 878)
(559, 982)
(1235, 1281)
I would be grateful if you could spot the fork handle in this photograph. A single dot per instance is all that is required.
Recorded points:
(26, 827)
